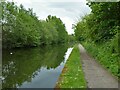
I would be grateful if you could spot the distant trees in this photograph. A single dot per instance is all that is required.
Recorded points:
(59, 26)
(21, 27)
(71, 38)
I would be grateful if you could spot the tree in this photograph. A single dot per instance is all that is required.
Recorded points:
(22, 28)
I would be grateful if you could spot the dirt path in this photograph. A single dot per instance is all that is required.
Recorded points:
(95, 75)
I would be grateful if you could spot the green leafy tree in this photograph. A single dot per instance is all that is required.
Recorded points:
(21, 27)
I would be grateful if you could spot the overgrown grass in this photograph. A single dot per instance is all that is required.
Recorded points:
(103, 53)
(72, 75)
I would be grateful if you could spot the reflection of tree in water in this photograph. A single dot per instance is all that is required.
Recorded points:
(23, 65)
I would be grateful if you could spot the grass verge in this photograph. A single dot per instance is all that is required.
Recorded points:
(72, 75)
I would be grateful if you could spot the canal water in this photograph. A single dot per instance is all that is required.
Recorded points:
(33, 67)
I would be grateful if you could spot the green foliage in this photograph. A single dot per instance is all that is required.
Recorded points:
(59, 26)
(71, 38)
(100, 25)
(22, 28)
(99, 32)
(72, 75)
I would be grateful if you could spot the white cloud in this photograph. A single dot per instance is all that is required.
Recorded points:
(68, 23)
(21, 1)
(67, 10)
(58, 0)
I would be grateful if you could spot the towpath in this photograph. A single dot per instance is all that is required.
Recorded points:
(95, 75)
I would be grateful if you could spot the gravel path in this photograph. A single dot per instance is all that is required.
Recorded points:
(95, 75)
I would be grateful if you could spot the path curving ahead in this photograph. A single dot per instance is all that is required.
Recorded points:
(95, 75)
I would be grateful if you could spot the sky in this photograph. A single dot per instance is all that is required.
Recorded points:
(70, 11)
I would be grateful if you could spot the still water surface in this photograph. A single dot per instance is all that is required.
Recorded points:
(34, 67)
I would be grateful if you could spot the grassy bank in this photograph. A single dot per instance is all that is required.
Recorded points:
(104, 54)
(72, 75)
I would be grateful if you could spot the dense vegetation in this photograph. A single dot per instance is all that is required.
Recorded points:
(21, 27)
(72, 75)
(99, 33)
